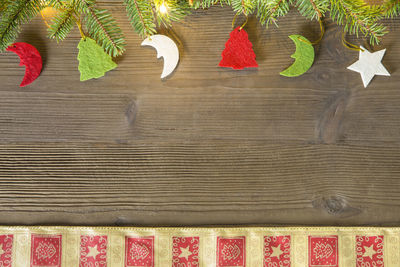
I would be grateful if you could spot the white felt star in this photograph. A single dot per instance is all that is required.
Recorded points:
(93, 252)
(369, 64)
(185, 253)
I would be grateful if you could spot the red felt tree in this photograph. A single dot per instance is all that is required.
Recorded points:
(238, 53)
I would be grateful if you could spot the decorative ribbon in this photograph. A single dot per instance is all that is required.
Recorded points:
(258, 246)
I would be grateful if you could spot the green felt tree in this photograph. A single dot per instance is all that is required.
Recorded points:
(359, 17)
(93, 61)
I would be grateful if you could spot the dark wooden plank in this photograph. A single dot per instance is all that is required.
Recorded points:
(208, 145)
(65, 117)
(186, 183)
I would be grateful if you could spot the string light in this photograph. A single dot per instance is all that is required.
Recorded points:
(47, 14)
(163, 8)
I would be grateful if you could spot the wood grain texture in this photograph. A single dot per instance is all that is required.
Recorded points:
(208, 145)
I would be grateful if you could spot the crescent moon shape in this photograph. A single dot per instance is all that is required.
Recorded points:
(304, 57)
(30, 57)
(167, 49)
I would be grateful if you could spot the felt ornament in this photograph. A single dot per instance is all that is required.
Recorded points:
(93, 61)
(304, 57)
(30, 57)
(167, 49)
(369, 64)
(238, 53)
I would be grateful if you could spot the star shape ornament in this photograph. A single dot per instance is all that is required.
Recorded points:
(93, 252)
(185, 253)
(369, 64)
(369, 251)
(276, 251)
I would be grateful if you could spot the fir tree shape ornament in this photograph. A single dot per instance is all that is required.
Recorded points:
(93, 61)
(238, 53)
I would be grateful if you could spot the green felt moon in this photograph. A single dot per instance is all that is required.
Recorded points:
(304, 57)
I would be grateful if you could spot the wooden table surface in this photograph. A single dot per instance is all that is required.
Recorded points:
(208, 145)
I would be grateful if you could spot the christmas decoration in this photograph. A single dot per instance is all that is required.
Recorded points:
(185, 253)
(228, 246)
(48, 14)
(29, 57)
(358, 17)
(322, 250)
(93, 61)
(369, 251)
(369, 65)
(304, 57)
(238, 53)
(167, 49)
(45, 250)
(230, 252)
(139, 251)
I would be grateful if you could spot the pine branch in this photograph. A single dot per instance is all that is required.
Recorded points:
(3, 6)
(81, 6)
(176, 10)
(245, 7)
(141, 16)
(391, 8)
(313, 9)
(62, 23)
(208, 3)
(269, 10)
(17, 13)
(357, 17)
(58, 4)
(104, 30)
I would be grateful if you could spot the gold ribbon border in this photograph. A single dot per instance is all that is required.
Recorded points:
(208, 238)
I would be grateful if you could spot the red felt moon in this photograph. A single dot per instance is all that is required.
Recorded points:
(29, 57)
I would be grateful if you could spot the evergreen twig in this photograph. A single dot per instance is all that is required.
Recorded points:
(62, 23)
(208, 3)
(313, 9)
(141, 16)
(3, 5)
(58, 4)
(104, 30)
(391, 8)
(245, 7)
(357, 17)
(269, 10)
(176, 10)
(17, 13)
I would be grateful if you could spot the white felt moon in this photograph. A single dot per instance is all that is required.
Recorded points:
(167, 49)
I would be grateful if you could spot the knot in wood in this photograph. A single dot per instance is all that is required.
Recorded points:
(333, 205)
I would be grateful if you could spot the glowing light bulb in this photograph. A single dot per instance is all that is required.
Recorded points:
(163, 8)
